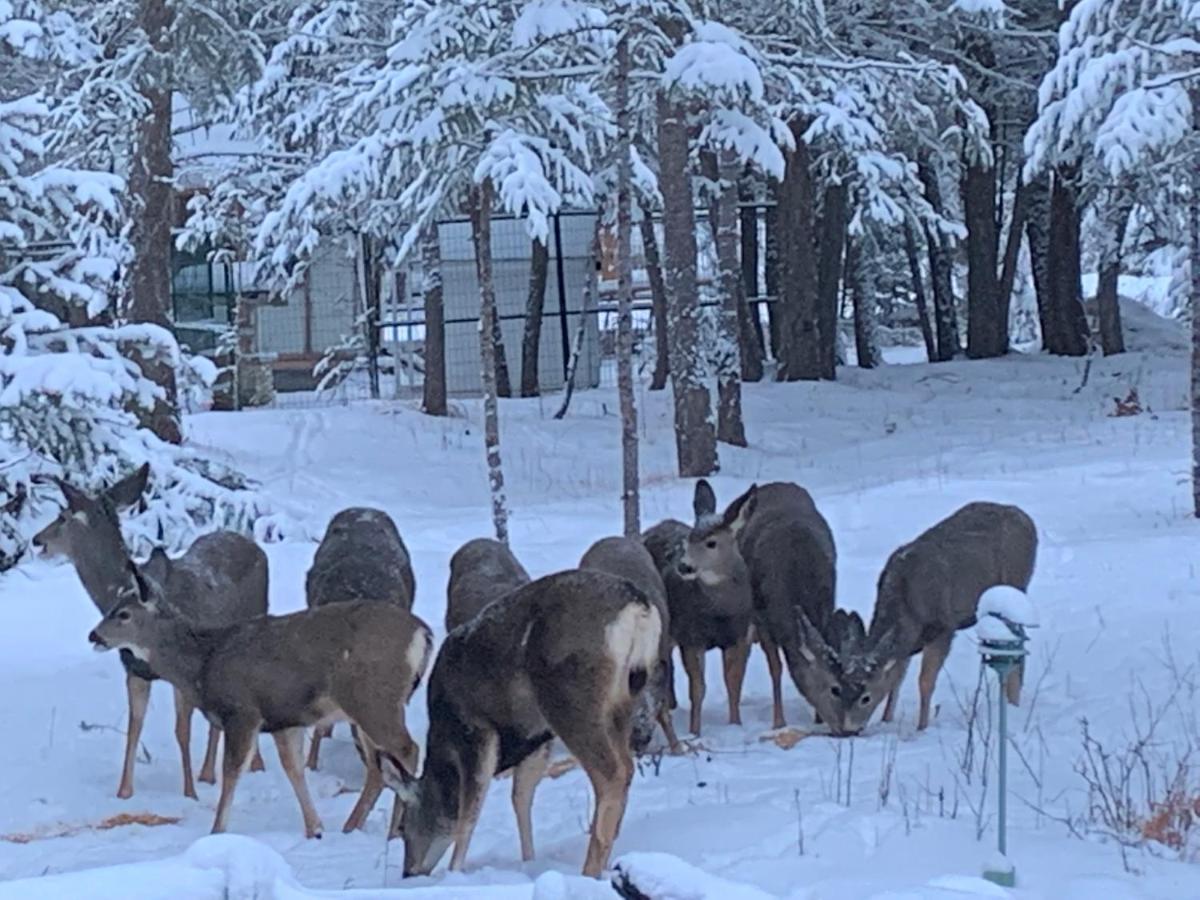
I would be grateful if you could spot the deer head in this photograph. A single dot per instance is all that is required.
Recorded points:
(711, 554)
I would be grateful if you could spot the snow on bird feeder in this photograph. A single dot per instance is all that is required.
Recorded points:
(1002, 618)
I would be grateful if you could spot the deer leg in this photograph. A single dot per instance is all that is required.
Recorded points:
(1012, 684)
(476, 778)
(290, 744)
(931, 663)
(372, 787)
(735, 658)
(693, 664)
(183, 736)
(314, 751)
(528, 773)
(775, 666)
(672, 702)
(138, 691)
(889, 709)
(256, 764)
(240, 737)
(609, 767)
(208, 771)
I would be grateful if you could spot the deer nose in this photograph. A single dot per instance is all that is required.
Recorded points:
(685, 569)
(97, 641)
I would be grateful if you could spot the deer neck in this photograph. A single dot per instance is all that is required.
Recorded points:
(107, 581)
(182, 655)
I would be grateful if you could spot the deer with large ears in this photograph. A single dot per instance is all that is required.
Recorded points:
(708, 592)
(221, 579)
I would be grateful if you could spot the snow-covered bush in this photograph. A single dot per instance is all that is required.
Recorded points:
(70, 384)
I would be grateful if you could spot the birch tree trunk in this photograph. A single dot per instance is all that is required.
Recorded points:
(629, 440)
(434, 399)
(481, 233)
(723, 219)
(531, 342)
(695, 439)
(151, 173)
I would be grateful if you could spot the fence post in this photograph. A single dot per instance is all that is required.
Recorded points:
(559, 276)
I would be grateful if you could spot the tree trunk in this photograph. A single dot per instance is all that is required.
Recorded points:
(771, 268)
(1037, 233)
(753, 350)
(801, 350)
(658, 298)
(832, 245)
(862, 296)
(918, 286)
(503, 381)
(1063, 265)
(941, 266)
(1194, 215)
(1012, 251)
(372, 308)
(723, 219)
(695, 440)
(152, 192)
(434, 400)
(629, 438)
(985, 332)
(531, 342)
(1108, 307)
(481, 233)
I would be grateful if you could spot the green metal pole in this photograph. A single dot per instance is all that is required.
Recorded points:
(1003, 762)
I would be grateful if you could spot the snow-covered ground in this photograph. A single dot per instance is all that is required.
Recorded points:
(885, 453)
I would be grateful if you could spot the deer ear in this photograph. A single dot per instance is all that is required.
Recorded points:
(740, 510)
(704, 501)
(396, 777)
(129, 489)
(812, 643)
(76, 499)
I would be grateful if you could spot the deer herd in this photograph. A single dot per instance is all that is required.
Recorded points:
(583, 655)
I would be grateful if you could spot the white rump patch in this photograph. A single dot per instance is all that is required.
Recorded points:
(419, 651)
(632, 640)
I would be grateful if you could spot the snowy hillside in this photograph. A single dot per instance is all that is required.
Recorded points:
(890, 814)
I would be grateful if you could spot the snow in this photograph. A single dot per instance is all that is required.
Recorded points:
(885, 453)
(1009, 603)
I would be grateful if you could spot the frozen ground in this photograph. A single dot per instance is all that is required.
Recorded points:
(885, 453)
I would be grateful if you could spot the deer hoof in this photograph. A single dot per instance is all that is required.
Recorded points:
(124, 792)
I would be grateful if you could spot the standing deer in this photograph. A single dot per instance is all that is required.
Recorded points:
(628, 558)
(361, 557)
(708, 592)
(481, 570)
(220, 580)
(567, 655)
(359, 660)
(928, 590)
(789, 550)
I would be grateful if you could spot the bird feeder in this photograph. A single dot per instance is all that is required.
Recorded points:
(1003, 617)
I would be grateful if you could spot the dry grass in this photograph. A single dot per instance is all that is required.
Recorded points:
(120, 820)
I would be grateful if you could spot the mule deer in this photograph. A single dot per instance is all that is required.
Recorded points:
(930, 589)
(361, 557)
(359, 660)
(481, 571)
(708, 592)
(565, 655)
(628, 558)
(789, 550)
(220, 580)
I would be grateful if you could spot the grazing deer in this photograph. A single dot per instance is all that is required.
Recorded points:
(566, 655)
(628, 558)
(708, 592)
(789, 550)
(359, 660)
(928, 590)
(220, 580)
(481, 571)
(361, 557)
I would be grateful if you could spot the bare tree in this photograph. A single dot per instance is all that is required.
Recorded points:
(539, 270)
(481, 233)
(434, 400)
(629, 438)
(695, 440)
(723, 219)
(151, 175)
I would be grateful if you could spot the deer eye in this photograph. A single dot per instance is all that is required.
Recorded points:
(710, 544)
(865, 699)
(835, 690)
(124, 615)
